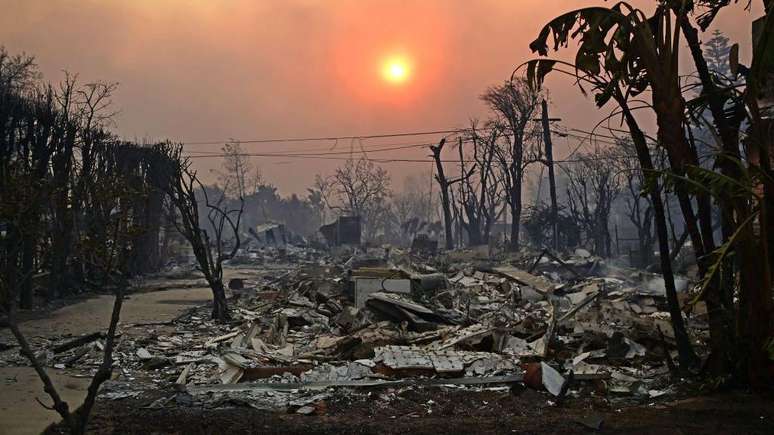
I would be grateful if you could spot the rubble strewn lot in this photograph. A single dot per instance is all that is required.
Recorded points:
(391, 335)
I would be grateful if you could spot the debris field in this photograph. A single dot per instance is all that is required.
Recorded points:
(310, 327)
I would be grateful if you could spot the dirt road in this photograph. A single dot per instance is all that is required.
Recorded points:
(19, 386)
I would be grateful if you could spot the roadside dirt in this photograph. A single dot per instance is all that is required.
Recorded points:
(436, 410)
(19, 412)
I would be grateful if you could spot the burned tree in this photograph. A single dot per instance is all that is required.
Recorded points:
(152, 169)
(413, 210)
(209, 248)
(446, 201)
(23, 164)
(56, 139)
(63, 143)
(539, 228)
(593, 185)
(234, 179)
(39, 130)
(515, 102)
(359, 188)
(639, 208)
(479, 193)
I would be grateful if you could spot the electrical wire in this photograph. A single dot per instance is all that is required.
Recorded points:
(328, 153)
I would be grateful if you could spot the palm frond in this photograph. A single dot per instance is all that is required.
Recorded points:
(718, 258)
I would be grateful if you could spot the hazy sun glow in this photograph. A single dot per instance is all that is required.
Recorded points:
(396, 70)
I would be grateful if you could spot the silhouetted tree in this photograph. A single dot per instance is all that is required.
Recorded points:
(594, 183)
(209, 247)
(359, 188)
(515, 103)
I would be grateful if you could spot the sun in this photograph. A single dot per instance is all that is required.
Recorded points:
(396, 70)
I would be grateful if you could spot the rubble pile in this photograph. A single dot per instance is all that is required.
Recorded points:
(574, 326)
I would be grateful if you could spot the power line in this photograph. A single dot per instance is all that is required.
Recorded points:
(326, 138)
(328, 155)
(391, 160)
(326, 148)
(311, 152)
(364, 149)
(362, 137)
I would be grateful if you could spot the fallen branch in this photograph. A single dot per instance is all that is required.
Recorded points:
(77, 342)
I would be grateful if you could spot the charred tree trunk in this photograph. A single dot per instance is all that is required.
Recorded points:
(645, 236)
(219, 304)
(28, 270)
(473, 225)
(62, 235)
(445, 199)
(671, 134)
(147, 251)
(516, 208)
(686, 354)
(551, 179)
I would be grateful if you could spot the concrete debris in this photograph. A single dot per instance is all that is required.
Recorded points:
(408, 359)
(519, 347)
(143, 354)
(360, 369)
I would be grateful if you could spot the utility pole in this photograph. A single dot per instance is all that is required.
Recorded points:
(462, 186)
(551, 180)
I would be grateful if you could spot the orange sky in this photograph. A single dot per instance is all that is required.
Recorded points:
(200, 70)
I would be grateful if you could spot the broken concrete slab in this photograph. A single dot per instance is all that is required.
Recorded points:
(143, 354)
(405, 358)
